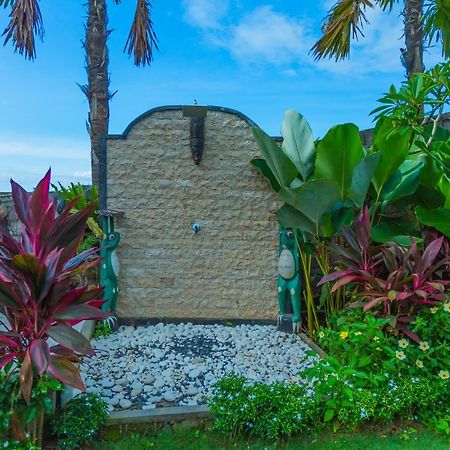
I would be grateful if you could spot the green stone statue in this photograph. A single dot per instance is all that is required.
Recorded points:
(289, 283)
(109, 266)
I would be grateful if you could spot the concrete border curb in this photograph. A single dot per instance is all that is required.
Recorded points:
(166, 415)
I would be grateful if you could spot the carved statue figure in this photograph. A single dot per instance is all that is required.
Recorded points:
(289, 283)
(109, 266)
(197, 138)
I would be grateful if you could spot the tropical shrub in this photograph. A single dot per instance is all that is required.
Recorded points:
(333, 395)
(79, 421)
(36, 292)
(266, 410)
(83, 196)
(394, 280)
(403, 178)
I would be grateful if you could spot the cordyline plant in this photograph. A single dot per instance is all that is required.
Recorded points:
(37, 295)
(391, 279)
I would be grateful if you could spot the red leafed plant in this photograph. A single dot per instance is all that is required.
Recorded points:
(391, 279)
(37, 295)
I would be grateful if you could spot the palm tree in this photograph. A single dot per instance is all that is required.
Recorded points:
(424, 22)
(26, 24)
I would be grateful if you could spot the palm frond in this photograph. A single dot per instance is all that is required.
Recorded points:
(387, 4)
(343, 23)
(436, 26)
(142, 39)
(25, 24)
(6, 3)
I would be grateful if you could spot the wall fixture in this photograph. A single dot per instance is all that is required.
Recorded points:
(197, 130)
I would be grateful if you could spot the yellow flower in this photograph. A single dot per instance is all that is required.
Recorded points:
(343, 335)
(403, 343)
(444, 374)
(376, 338)
(447, 307)
(321, 335)
(424, 346)
(400, 355)
(434, 310)
(358, 333)
(419, 363)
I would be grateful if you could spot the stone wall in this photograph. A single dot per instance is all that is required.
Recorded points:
(228, 269)
(6, 200)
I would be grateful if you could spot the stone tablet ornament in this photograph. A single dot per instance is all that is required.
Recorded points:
(289, 287)
(286, 264)
(3, 212)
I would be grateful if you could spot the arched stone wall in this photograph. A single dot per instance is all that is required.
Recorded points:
(228, 269)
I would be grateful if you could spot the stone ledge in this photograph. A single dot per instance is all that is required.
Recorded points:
(166, 415)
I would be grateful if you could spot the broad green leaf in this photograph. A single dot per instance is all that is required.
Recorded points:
(444, 187)
(338, 153)
(362, 176)
(393, 144)
(280, 165)
(312, 199)
(403, 182)
(329, 414)
(390, 232)
(428, 197)
(289, 217)
(436, 218)
(265, 171)
(431, 173)
(298, 142)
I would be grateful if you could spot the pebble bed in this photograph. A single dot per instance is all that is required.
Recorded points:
(174, 365)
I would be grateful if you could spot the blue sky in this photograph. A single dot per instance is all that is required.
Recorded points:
(247, 55)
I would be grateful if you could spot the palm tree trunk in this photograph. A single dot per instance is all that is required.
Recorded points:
(97, 91)
(413, 55)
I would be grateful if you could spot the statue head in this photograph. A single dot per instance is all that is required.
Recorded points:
(287, 238)
(112, 239)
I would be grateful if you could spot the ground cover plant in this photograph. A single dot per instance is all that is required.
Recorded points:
(401, 436)
(79, 421)
(39, 301)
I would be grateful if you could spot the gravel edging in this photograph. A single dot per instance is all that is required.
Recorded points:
(177, 364)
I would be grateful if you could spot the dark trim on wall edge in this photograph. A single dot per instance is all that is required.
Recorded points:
(140, 321)
(148, 113)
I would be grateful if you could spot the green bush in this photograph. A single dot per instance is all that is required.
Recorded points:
(102, 329)
(366, 375)
(80, 420)
(266, 410)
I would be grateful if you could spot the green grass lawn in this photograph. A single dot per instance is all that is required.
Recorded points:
(403, 438)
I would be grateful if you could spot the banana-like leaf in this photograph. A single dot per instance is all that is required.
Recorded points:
(444, 187)
(338, 153)
(390, 232)
(312, 199)
(290, 217)
(393, 144)
(265, 171)
(403, 182)
(436, 218)
(362, 176)
(280, 165)
(429, 198)
(298, 143)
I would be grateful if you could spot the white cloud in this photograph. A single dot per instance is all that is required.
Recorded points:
(206, 14)
(267, 36)
(26, 159)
